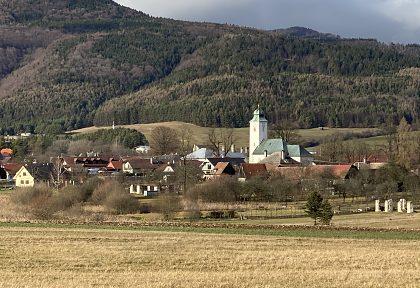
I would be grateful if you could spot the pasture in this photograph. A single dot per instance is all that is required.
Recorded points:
(241, 135)
(69, 256)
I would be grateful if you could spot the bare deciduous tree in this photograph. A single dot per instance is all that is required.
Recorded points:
(286, 130)
(164, 140)
(221, 141)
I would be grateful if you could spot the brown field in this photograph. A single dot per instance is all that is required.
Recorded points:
(70, 257)
(200, 134)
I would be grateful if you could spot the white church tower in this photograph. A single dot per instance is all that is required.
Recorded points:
(258, 131)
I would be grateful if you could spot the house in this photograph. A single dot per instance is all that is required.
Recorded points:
(224, 169)
(23, 178)
(29, 174)
(260, 147)
(249, 171)
(114, 166)
(209, 165)
(11, 169)
(201, 154)
(340, 171)
(144, 149)
(139, 166)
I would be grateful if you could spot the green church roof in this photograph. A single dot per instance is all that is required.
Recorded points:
(277, 145)
(271, 146)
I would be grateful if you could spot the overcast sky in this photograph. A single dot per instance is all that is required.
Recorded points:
(386, 20)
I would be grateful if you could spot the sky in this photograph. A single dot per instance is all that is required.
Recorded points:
(395, 21)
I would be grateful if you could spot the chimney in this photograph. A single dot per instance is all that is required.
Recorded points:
(242, 150)
(266, 153)
(232, 148)
(364, 160)
(151, 160)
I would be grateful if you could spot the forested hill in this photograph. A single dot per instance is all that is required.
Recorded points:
(74, 63)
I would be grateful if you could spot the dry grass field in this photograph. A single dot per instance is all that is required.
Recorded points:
(363, 220)
(76, 257)
(200, 134)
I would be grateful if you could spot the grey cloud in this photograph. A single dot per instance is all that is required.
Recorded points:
(386, 20)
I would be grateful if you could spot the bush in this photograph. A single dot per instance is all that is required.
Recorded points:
(167, 205)
(27, 196)
(121, 202)
(101, 192)
(89, 187)
(67, 198)
(225, 189)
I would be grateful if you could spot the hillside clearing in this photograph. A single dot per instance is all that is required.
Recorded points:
(241, 135)
(58, 257)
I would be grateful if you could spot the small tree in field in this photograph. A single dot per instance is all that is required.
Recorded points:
(326, 213)
(314, 206)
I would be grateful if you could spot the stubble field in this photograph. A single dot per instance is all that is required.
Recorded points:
(91, 257)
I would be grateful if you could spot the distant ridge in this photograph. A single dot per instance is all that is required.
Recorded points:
(303, 32)
(69, 64)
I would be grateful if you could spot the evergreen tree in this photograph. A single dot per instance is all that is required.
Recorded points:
(314, 206)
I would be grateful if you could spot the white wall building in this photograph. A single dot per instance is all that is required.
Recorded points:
(258, 132)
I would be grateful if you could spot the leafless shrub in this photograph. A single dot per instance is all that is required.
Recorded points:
(167, 205)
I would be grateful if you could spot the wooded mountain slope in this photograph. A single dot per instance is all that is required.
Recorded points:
(71, 64)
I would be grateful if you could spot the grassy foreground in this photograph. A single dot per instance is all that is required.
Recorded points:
(36, 256)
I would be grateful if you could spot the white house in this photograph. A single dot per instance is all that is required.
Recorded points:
(143, 149)
(274, 151)
(23, 178)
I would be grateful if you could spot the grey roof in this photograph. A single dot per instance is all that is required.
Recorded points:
(202, 153)
(235, 155)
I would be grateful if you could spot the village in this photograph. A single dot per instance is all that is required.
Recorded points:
(275, 170)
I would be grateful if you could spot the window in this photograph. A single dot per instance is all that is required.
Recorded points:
(208, 166)
(24, 173)
(27, 182)
(22, 182)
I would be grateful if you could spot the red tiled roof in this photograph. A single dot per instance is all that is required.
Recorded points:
(116, 165)
(224, 168)
(12, 168)
(296, 173)
(254, 170)
(6, 152)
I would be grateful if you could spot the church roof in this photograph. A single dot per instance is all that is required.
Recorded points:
(271, 146)
(297, 151)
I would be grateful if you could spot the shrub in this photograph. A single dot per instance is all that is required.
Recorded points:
(27, 196)
(101, 192)
(67, 198)
(225, 189)
(89, 187)
(167, 205)
(121, 202)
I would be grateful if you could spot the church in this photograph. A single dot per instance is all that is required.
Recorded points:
(273, 151)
